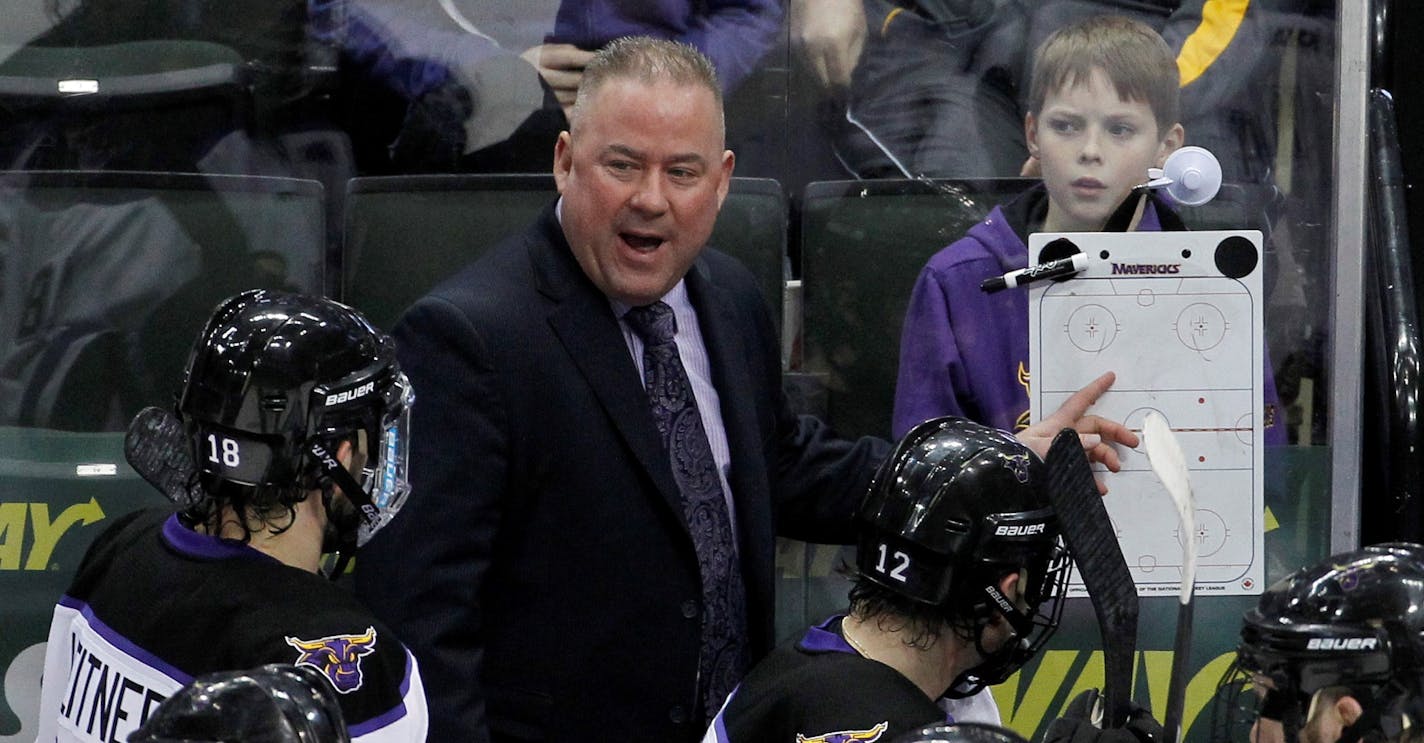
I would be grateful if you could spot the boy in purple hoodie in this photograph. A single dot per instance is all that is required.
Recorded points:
(1102, 109)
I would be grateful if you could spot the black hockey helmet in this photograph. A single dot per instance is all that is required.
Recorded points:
(274, 384)
(961, 732)
(954, 508)
(272, 704)
(1355, 620)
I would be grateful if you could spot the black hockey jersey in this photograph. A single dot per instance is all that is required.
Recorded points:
(820, 690)
(156, 604)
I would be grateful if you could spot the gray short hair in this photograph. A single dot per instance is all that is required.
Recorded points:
(648, 60)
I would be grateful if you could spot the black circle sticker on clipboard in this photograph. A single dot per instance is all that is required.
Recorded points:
(1056, 249)
(1236, 257)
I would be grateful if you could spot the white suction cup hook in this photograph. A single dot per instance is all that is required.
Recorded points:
(1195, 175)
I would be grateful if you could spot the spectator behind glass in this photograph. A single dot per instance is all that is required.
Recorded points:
(556, 38)
(422, 86)
(928, 86)
(934, 87)
(1102, 109)
(734, 34)
(1230, 58)
(394, 86)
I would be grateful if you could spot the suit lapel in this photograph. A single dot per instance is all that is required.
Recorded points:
(584, 323)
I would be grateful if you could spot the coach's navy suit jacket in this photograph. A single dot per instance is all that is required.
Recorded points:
(542, 571)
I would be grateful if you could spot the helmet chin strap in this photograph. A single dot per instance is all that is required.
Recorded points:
(339, 538)
(971, 680)
(332, 467)
(364, 508)
(1023, 626)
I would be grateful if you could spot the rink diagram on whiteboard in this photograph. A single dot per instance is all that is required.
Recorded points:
(1177, 315)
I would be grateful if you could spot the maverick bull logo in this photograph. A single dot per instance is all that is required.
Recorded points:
(337, 656)
(847, 736)
(1017, 464)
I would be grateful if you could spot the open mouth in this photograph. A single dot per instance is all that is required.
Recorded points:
(641, 242)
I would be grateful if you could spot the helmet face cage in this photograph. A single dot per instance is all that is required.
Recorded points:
(1234, 706)
(1243, 699)
(375, 403)
(1044, 582)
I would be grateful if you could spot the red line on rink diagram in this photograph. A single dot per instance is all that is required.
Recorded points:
(1201, 430)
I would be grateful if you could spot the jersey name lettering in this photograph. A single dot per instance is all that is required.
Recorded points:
(102, 703)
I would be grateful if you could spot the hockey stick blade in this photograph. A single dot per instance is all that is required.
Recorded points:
(1089, 533)
(1170, 465)
(157, 448)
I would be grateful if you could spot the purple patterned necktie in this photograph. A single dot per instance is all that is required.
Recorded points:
(724, 656)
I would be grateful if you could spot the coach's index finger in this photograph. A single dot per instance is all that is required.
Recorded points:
(1078, 403)
(1075, 406)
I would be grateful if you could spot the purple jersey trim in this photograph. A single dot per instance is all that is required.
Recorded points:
(392, 714)
(822, 639)
(205, 547)
(719, 725)
(123, 643)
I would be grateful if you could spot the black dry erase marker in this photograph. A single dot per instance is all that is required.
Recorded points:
(1057, 269)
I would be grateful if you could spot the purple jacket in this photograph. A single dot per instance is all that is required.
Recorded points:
(964, 352)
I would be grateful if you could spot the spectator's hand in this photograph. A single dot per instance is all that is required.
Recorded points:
(561, 66)
(830, 34)
(1098, 434)
(1082, 720)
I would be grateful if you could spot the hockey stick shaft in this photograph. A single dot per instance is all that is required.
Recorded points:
(1177, 688)
(1170, 465)
(1089, 532)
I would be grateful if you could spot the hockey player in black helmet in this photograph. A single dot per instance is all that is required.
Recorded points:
(1334, 652)
(276, 703)
(288, 442)
(286, 396)
(960, 571)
